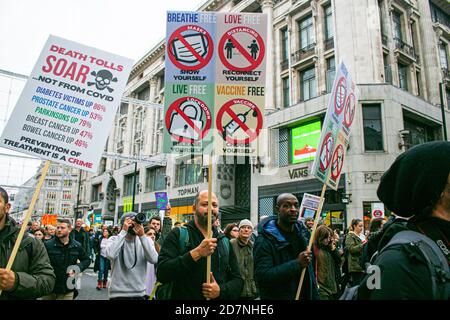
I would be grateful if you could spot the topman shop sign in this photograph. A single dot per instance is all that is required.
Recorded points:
(188, 191)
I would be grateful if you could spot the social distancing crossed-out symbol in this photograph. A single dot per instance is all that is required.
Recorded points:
(337, 162)
(241, 49)
(340, 95)
(325, 151)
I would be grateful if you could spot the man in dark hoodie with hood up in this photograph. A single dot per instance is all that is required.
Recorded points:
(416, 186)
(280, 255)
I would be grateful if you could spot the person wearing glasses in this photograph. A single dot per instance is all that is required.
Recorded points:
(281, 254)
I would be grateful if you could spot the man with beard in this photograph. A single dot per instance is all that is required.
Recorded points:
(129, 253)
(64, 252)
(185, 265)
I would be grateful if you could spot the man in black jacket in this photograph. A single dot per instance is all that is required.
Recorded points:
(31, 275)
(186, 267)
(416, 186)
(280, 255)
(64, 253)
(80, 235)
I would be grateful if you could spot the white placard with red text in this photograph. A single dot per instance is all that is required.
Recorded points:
(68, 105)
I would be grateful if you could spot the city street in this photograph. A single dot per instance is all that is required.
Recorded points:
(88, 289)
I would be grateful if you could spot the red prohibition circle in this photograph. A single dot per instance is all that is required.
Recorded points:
(328, 137)
(177, 34)
(341, 85)
(349, 113)
(377, 214)
(339, 165)
(174, 107)
(229, 36)
(227, 108)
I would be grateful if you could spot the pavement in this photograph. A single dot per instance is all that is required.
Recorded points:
(88, 286)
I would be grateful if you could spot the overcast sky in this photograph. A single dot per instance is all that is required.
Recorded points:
(129, 28)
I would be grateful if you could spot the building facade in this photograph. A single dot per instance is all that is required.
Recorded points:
(397, 53)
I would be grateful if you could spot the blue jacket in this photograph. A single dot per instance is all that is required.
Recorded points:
(277, 271)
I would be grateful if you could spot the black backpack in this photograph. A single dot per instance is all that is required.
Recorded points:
(436, 262)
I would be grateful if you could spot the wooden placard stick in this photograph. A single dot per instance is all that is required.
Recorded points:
(208, 259)
(27, 217)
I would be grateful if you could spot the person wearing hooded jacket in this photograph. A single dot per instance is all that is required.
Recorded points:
(416, 186)
(186, 267)
(31, 275)
(280, 255)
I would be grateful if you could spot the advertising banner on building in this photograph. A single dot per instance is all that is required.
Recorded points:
(214, 82)
(304, 142)
(334, 138)
(68, 104)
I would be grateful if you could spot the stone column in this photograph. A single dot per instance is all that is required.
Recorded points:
(149, 130)
(319, 61)
(430, 60)
(267, 7)
(391, 45)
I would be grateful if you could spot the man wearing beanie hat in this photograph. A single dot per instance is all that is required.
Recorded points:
(416, 186)
(243, 248)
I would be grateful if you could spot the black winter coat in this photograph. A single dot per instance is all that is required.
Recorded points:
(277, 271)
(188, 275)
(63, 256)
(34, 274)
(403, 270)
(82, 237)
